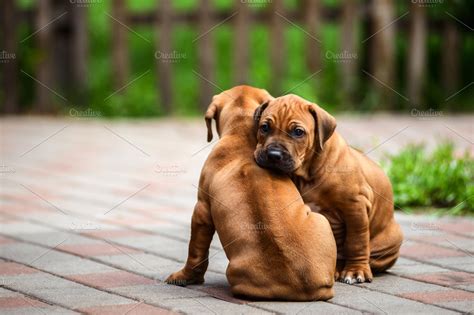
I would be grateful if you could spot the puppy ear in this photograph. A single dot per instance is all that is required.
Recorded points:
(325, 124)
(211, 114)
(258, 113)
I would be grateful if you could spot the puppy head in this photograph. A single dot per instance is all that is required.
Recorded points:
(237, 104)
(289, 129)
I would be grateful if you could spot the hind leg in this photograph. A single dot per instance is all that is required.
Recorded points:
(385, 248)
(202, 231)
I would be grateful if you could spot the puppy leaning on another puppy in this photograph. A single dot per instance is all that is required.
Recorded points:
(277, 248)
(297, 137)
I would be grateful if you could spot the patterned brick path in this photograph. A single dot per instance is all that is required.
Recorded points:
(95, 214)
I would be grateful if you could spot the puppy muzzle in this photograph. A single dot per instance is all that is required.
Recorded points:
(276, 157)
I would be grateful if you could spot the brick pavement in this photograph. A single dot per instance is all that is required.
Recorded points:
(95, 214)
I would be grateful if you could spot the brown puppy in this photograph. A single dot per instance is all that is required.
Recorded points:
(277, 248)
(297, 137)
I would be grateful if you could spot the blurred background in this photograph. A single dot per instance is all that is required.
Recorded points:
(142, 58)
(398, 75)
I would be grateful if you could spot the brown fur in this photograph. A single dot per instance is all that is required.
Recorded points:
(349, 189)
(277, 248)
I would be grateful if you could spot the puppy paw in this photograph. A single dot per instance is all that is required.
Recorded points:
(356, 274)
(339, 267)
(182, 279)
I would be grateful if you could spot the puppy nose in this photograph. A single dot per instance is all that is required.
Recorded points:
(275, 155)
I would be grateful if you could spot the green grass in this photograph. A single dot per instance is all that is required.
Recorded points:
(441, 179)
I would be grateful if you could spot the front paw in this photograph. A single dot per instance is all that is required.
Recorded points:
(182, 278)
(356, 273)
(339, 267)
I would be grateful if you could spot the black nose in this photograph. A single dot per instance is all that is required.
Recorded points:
(274, 155)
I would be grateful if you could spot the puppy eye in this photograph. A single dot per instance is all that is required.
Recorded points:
(298, 132)
(264, 128)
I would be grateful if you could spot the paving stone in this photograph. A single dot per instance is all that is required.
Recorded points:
(6, 220)
(50, 260)
(19, 301)
(5, 240)
(24, 253)
(110, 279)
(52, 238)
(469, 267)
(304, 308)
(23, 228)
(427, 252)
(63, 292)
(215, 279)
(422, 230)
(131, 309)
(97, 249)
(467, 307)
(112, 233)
(467, 287)
(76, 221)
(206, 305)
(440, 296)
(157, 244)
(376, 302)
(12, 269)
(7, 293)
(178, 231)
(465, 263)
(54, 310)
(67, 264)
(116, 279)
(157, 292)
(451, 278)
(174, 249)
(455, 299)
(12, 302)
(146, 264)
(222, 292)
(403, 261)
(465, 227)
(396, 285)
(218, 261)
(416, 268)
(450, 241)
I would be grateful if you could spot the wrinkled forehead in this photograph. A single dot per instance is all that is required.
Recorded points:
(284, 110)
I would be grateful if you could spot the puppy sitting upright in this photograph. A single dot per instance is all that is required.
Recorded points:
(297, 137)
(277, 248)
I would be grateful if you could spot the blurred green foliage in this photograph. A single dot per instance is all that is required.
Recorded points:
(142, 97)
(441, 179)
